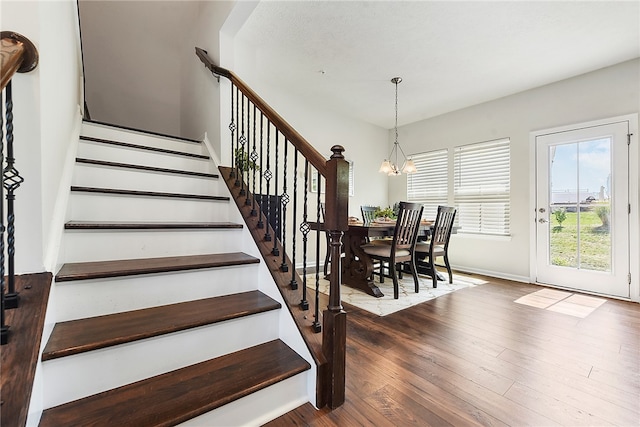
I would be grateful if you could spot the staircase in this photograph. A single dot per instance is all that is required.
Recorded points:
(162, 313)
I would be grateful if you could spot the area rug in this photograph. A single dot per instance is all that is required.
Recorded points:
(407, 298)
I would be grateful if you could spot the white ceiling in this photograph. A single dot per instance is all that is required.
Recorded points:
(450, 54)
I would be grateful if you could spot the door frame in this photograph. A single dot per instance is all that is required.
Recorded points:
(634, 197)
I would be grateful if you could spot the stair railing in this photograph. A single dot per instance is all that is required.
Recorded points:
(17, 55)
(280, 181)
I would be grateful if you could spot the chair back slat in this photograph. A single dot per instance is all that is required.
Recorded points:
(443, 226)
(407, 225)
(368, 214)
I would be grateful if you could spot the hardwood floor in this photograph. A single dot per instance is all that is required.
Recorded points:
(19, 357)
(474, 357)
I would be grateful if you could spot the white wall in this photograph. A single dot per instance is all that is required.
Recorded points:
(61, 106)
(132, 52)
(200, 93)
(609, 92)
(365, 144)
(45, 119)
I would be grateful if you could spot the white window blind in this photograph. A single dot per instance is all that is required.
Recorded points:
(429, 185)
(481, 187)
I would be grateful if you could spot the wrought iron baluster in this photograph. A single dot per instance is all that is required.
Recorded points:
(4, 328)
(246, 158)
(317, 326)
(276, 218)
(11, 180)
(294, 282)
(267, 176)
(262, 210)
(232, 128)
(240, 156)
(253, 158)
(285, 201)
(305, 228)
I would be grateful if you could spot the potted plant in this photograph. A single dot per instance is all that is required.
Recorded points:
(386, 213)
(243, 162)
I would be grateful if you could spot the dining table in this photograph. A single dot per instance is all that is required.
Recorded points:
(357, 266)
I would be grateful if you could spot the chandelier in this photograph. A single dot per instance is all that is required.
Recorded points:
(390, 165)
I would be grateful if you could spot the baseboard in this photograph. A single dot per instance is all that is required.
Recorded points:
(490, 273)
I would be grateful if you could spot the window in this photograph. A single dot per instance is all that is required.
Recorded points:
(429, 185)
(481, 187)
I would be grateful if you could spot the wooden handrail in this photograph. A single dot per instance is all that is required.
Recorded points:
(17, 55)
(306, 149)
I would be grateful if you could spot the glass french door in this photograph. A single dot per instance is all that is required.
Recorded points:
(582, 209)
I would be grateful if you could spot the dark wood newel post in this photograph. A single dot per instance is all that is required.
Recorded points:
(335, 318)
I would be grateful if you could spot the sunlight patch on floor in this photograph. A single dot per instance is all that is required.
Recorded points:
(562, 302)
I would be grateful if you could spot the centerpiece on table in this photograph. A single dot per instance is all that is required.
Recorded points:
(387, 214)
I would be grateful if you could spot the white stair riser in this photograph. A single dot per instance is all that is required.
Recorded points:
(73, 377)
(110, 153)
(96, 297)
(257, 408)
(104, 245)
(131, 179)
(112, 207)
(121, 135)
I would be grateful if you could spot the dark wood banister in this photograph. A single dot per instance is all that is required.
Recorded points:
(336, 172)
(17, 55)
(336, 204)
(306, 149)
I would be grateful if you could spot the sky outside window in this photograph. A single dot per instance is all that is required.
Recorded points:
(580, 169)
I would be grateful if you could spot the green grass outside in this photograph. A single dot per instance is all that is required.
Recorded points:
(595, 242)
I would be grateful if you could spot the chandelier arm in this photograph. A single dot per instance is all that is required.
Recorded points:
(402, 151)
(392, 150)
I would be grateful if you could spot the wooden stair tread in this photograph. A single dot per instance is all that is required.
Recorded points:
(140, 225)
(144, 147)
(177, 396)
(130, 267)
(82, 335)
(146, 193)
(145, 168)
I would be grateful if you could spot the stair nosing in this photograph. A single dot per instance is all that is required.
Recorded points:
(146, 168)
(152, 322)
(123, 225)
(144, 147)
(139, 193)
(168, 391)
(107, 269)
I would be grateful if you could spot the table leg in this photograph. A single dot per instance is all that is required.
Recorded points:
(357, 266)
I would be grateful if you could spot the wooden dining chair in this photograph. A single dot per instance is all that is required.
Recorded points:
(368, 216)
(368, 213)
(438, 246)
(401, 249)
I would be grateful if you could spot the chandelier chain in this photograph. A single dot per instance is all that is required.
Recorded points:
(396, 111)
